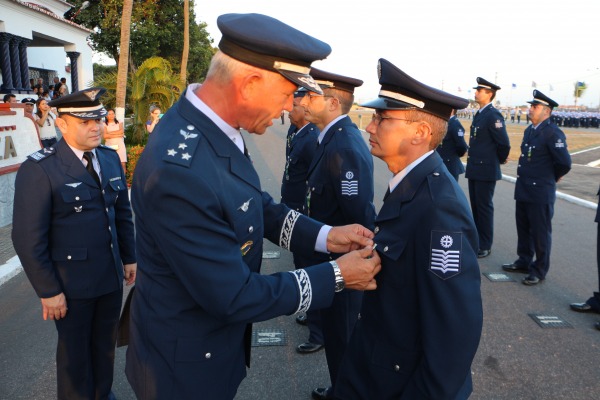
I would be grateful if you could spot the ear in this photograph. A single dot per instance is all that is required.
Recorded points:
(423, 133)
(61, 124)
(249, 85)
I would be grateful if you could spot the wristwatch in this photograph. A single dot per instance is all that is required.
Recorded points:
(339, 279)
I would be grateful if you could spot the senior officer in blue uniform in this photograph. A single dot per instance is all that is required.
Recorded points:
(339, 192)
(299, 152)
(419, 331)
(201, 217)
(488, 148)
(592, 305)
(544, 161)
(73, 232)
(453, 147)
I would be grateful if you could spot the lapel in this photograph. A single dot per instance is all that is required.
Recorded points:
(239, 164)
(301, 133)
(107, 169)
(326, 139)
(73, 165)
(406, 190)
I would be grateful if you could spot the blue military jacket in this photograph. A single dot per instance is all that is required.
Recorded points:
(420, 329)
(300, 149)
(200, 218)
(71, 235)
(453, 147)
(340, 182)
(488, 146)
(544, 160)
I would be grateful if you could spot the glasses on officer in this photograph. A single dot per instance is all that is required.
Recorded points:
(311, 96)
(377, 118)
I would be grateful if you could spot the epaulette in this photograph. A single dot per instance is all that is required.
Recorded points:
(102, 146)
(182, 147)
(42, 154)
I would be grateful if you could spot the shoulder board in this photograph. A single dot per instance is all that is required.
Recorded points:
(42, 154)
(106, 147)
(182, 147)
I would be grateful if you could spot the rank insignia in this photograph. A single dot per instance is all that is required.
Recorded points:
(246, 247)
(559, 144)
(445, 254)
(499, 124)
(78, 209)
(73, 185)
(349, 185)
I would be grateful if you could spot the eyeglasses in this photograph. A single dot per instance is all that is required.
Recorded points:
(377, 118)
(311, 96)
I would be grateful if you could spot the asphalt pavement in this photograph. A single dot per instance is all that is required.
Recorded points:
(517, 358)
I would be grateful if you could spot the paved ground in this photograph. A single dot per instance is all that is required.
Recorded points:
(516, 358)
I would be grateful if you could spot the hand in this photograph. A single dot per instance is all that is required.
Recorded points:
(359, 268)
(130, 273)
(342, 239)
(55, 307)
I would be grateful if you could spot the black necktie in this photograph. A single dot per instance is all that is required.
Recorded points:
(90, 167)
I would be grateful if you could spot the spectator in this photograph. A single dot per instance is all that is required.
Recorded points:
(114, 136)
(155, 115)
(45, 119)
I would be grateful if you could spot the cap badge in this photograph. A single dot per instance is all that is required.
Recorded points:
(91, 94)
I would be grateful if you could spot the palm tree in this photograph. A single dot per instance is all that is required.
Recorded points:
(123, 65)
(186, 41)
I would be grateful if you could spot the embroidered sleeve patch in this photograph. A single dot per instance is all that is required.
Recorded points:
(305, 289)
(461, 132)
(285, 238)
(499, 124)
(349, 184)
(445, 254)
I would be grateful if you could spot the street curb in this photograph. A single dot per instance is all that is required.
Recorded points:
(9, 270)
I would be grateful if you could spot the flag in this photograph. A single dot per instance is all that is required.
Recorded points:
(533, 84)
(514, 85)
(581, 85)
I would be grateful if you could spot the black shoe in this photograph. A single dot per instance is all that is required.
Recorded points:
(301, 319)
(515, 268)
(531, 280)
(483, 253)
(597, 325)
(308, 347)
(582, 307)
(322, 393)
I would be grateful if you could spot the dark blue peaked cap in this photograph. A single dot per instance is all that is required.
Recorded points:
(268, 43)
(482, 83)
(334, 81)
(401, 92)
(541, 98)
(84, 104)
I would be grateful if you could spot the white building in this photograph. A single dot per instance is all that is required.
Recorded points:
(37, 41)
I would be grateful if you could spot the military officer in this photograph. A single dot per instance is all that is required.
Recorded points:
(339, 192)
(453, 147)
(300, 149)
(73, 232)
(544, 161)
(592, 305)
(419, 331)
(201, 216)
(488, 148)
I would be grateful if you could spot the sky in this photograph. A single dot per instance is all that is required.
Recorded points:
(448, 44)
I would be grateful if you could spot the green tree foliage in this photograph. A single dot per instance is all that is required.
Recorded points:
(154, 82)
(156, 30)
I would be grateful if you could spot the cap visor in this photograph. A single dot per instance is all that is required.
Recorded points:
(95, 114)
(382, 103)
(303, 80)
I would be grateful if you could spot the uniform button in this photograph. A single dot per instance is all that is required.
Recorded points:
(385, 248)
(207, 355)
(103, 192)
(68, 257)
(76, 197)
(109, 228)
(436, 174)
(106, 209)
(111, 246)
(312, 189)
(396, 368)
(251, 229)
(519, 165)
(376, 229)
(534, 183)
(359, 316)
